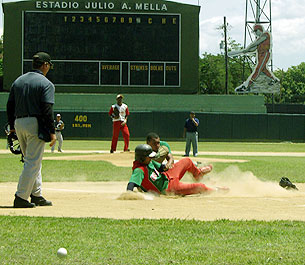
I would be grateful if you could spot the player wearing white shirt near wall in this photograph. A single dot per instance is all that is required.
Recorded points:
(119, 113)
(59, 126)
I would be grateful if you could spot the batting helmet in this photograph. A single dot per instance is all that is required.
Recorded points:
(142, 151)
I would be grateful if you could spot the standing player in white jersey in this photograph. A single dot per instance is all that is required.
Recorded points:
(59, 126)
(119, 113)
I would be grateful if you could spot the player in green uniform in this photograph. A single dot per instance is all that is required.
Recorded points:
(162, 149)
(149, 175)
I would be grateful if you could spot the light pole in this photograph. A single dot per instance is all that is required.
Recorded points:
(226, 53)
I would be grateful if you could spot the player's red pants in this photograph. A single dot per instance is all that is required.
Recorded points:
(117, 127)
(177, 172)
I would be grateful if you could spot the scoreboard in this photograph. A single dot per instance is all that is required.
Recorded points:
(120, 49)
(105, 47)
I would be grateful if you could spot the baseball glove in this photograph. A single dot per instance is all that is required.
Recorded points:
(161, 154)
(287, 184)
(12, 141)
(60, 126)
(116, 113)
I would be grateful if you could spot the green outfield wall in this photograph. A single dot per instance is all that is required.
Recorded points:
(169, 125)
(222, 117)
(155, 102)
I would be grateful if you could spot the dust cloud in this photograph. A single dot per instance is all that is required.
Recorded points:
(246, 184)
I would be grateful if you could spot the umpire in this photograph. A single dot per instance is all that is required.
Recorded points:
(31, 100)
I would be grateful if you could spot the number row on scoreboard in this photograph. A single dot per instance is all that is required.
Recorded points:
(121, 19)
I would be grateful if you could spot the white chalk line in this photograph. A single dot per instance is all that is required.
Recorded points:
(80, 191)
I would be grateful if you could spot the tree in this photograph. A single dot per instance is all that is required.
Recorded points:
(212, 71)
(211, 74)
(292, 84)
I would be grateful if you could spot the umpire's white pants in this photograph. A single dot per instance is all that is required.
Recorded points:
(60, 140)
(32, 148)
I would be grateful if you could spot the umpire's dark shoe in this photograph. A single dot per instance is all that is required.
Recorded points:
(21, 203)
(40, 201)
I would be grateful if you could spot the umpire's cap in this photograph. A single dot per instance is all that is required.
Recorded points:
(42, 57)
(142, 151)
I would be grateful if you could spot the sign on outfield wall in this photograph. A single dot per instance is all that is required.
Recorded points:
(106, 47)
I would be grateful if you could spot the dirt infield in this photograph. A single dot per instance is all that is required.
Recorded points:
(125, 159)
(87, 199)
(249, 198)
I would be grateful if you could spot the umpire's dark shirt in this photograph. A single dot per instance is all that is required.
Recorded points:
(29, 91)
(32, 94)
(190, 126)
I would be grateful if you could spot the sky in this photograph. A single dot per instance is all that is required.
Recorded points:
(288, 32)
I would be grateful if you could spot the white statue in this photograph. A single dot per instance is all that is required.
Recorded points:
(261, 80)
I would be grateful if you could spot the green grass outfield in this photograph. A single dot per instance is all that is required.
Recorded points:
(26, 240)
(34, 240)
(264, 167)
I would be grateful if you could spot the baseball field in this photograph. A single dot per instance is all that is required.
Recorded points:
(256, 222)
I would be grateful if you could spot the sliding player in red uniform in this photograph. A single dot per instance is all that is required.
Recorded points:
(149, 175)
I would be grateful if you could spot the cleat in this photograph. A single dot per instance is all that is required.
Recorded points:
(40, 201)
(203, 171)
(222, 190)
(21, 203)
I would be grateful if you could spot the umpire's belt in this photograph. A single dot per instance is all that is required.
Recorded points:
(25, 116)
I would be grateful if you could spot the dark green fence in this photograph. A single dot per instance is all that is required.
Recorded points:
(286, 108)
(156, 102)
(169, 125)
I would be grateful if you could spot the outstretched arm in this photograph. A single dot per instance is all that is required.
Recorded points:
(131, 186)
(253, 46)
(250, 48)
(170, 161)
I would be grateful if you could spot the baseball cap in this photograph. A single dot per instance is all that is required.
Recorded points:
(41, 58)
(58, 115)
(119, 96)
(192, 112)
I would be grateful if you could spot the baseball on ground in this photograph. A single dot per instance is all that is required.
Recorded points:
(62, 252)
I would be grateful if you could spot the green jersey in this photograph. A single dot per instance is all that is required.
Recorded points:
(148, 177)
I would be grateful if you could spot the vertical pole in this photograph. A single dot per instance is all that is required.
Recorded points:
(258, 11)
(270, 29)
(226, 54)
(245, 41)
